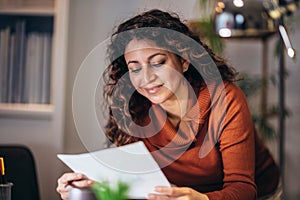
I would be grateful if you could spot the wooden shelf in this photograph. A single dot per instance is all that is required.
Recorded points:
(28, 111)
(28, 11)
(251, 34)
(39, 125)
(30, 7)
(38, 9)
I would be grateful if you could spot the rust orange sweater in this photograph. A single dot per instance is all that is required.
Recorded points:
(215, 149)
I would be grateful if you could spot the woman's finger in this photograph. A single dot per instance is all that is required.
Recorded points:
(82, 183)
(64, 192)
(68, 177)
(68, 180)
(173, 191)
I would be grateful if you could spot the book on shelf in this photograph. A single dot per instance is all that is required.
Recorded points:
(37, 76)
(10, 69)
(46, 69)
(25, 64)
(4, 50)
(18, 67)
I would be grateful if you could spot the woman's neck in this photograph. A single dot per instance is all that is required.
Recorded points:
(177, 107)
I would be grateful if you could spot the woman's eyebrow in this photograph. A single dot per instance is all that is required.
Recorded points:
(149, 58)
(156, 54)
(132, 61)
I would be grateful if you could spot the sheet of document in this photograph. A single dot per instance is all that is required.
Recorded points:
(131, 163)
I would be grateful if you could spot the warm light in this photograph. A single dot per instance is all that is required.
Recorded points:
(292, 7)
(225, 32)
(219, 10)
(275, 14)
(238, 3)
(221, 4)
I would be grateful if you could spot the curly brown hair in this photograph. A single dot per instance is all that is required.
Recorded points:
(126, 106)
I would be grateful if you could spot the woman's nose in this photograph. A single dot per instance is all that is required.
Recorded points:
(149, 74)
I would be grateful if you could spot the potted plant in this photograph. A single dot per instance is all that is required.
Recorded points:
(106, 191)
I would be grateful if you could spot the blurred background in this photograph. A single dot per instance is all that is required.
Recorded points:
(90, 22)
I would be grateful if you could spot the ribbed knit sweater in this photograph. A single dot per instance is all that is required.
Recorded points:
(215, 150)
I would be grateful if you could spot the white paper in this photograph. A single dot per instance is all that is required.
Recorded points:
(131, 163)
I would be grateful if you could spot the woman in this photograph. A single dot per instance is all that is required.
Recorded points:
(166, 88)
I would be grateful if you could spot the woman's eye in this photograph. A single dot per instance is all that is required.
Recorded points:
(135, 70)
(158, 64)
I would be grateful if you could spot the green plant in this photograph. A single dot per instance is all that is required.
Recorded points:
(251, 86)
(205, 29)
(204, 25)
(106, 191)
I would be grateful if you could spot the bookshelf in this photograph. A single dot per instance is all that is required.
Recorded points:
(32, 59)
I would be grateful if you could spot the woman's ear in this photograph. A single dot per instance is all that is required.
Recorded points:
(185, 65)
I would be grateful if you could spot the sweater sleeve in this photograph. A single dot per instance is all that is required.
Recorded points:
(236, 145)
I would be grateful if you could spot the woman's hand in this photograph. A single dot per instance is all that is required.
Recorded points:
(68, 180)
(178, 193)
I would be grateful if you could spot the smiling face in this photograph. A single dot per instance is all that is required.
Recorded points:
(155, 73)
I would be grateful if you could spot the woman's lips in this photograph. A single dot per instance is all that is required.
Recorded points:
(154, 89)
